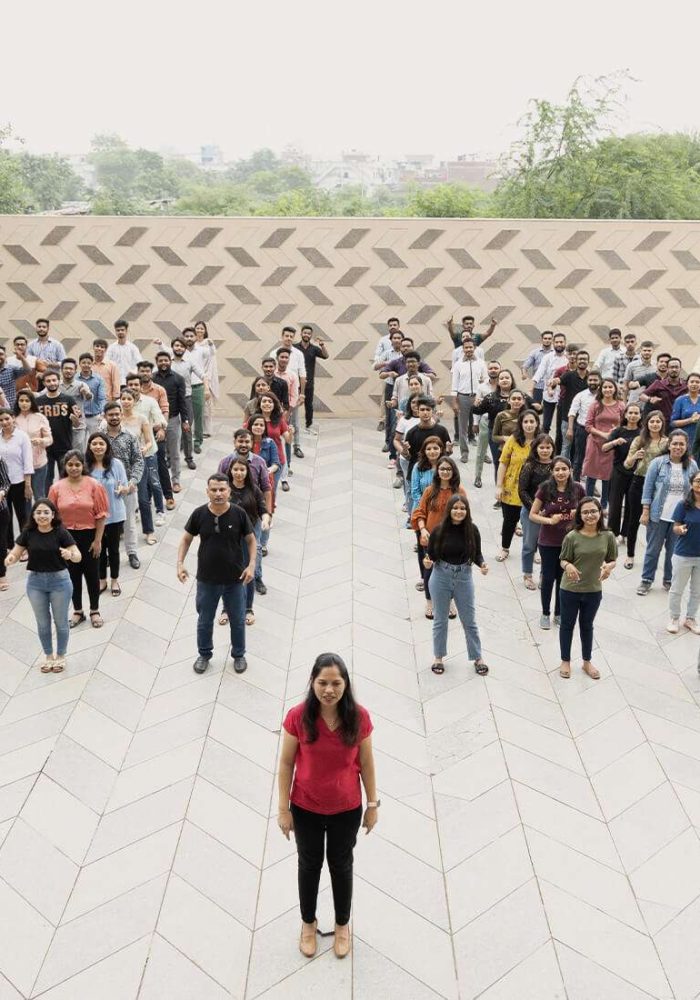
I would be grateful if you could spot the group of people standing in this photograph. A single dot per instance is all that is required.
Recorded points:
(622, 431)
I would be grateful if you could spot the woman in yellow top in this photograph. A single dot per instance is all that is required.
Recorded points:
(515, 452)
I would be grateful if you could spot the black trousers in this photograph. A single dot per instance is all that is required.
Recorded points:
(511, 516)
(620, 483)
(424, 572)
(339, 831)
(634, 502)
(548, 412)
(579, 449)
(4, 532)
(552, 572)
(163, 474)
(88, 567)
(110, 550)
(309, 403)
(17, 503)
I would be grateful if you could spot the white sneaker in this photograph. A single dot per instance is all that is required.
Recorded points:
(672, 626)
(691, 624)
(160, 520)
(311, 430)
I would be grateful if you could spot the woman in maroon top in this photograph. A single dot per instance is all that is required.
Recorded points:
(327, 749)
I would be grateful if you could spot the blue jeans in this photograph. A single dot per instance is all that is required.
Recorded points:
(39, 482)
(565, 443)
(590, 488)
(585, 607)
(232, 596)
(447, 582)
(531, 533)
(50, 594)
(258, 553)
(659, 533)
(149, 486)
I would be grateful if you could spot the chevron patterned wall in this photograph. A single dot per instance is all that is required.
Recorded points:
(248, 277)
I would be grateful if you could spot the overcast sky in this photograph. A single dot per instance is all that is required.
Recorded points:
(384, 76)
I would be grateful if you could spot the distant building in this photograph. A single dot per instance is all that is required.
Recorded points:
(210, 155)
(354, 169)
(469, 170)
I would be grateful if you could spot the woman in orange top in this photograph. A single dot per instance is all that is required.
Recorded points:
(83, 505)
(429, 513)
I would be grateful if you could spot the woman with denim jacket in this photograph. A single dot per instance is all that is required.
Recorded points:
(666, 483)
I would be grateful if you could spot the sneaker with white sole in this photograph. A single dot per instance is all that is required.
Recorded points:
(545, 621)
(160, 520)
(692, 626)
(673, 626)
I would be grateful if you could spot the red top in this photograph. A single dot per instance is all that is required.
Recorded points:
(327, 771)
(275, 431)
(79, 509)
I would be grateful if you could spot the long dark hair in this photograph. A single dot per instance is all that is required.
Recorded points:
(533, 458)
(90, 460)
(30, 396)
(348, 715)
(260, 378)
(519, 433)
(578, 520)
(465, 529)
(31, 524)
(276, 415)
(549, 487)
(246, 500)
(599, 393)
(644, 435)
(422, 463)
(435, 485)
(407, 410)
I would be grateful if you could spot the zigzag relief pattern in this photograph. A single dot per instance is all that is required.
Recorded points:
(249, 276)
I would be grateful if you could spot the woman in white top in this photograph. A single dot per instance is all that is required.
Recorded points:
(211, 374)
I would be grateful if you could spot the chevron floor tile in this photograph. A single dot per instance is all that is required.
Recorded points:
(539, 838)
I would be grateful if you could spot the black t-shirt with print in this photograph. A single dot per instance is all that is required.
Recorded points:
(57, 410)
(311, 353)
(220, 556)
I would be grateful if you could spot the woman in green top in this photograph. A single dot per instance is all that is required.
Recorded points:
(648, 445)
(588, 557)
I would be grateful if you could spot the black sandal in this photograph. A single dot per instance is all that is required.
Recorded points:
(429, 615)
(452, 615)
(438, 668)
(77, 619)
(116, 590)
(481, 668)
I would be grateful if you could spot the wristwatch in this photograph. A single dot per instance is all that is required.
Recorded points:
(374, 805)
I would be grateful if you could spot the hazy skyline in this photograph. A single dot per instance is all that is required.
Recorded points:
(450, 79)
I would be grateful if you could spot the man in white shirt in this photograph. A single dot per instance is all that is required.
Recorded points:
(297, 364)
(610, 356)
(576, 433)
(388, 349)
(184, 363)
(532, 363)
(552, 360)
(123, 353)
(384, 347)
(466, 376)
(198, 381)
(458, 352)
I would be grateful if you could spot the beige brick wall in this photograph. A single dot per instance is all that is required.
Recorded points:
(248, 277)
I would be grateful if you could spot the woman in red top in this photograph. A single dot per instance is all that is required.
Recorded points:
(83, 506)
(277, 429)
(327, 748)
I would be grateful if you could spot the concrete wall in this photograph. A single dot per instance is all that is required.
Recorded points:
(248, 277)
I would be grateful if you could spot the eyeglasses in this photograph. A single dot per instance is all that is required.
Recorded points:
(590, 513)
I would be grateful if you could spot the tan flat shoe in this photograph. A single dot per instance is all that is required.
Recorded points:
(341, 942)
(308, 942)
(592, 671)
(47, 665)
(565, 670)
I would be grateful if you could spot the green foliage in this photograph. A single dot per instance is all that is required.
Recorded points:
(49, 180)
(447, 201)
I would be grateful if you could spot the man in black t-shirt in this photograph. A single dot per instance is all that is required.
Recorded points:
(63, 415)
(425, 428)
(222, 572)
(311, 352)
(277, 385)
(570, 384)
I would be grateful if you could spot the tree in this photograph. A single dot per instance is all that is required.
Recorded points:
(13, 194)
(260, 160)
(49, 180)
(447, 201)
(128, 180)
(549, 171)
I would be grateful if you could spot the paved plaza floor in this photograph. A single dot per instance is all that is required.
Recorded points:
(538, 838)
